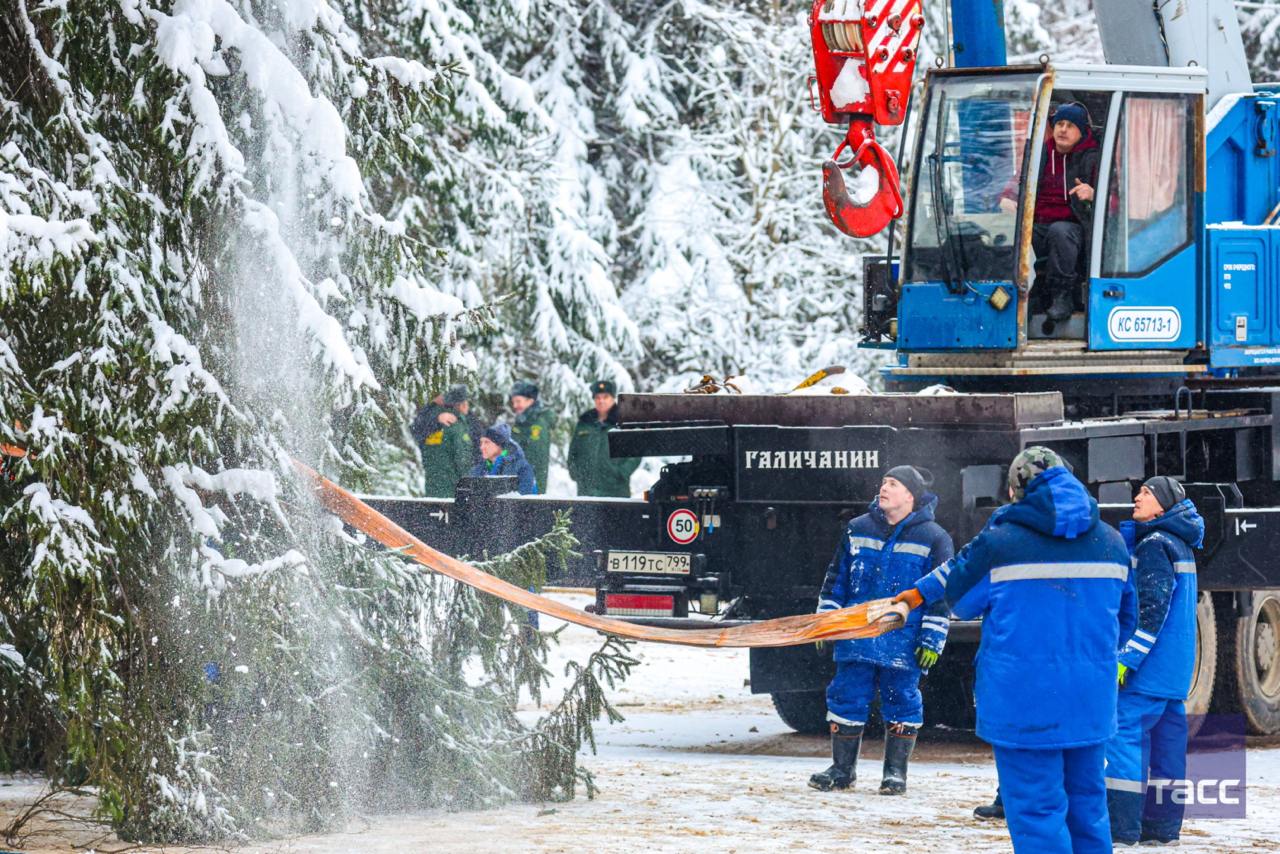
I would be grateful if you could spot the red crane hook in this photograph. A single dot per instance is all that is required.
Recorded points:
(871, 207)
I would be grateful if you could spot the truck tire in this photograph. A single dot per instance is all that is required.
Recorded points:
(803, 711)
(1249, 660)
(1206, 667)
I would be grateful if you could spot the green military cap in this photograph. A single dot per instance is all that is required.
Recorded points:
(604, 387)
(524, 388)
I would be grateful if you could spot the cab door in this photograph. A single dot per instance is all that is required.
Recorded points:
(1144, 270)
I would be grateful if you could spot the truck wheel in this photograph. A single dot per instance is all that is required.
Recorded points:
(803, 711)
(1249, 661)
(1201, 693)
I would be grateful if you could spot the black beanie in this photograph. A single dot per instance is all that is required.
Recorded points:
(911, 478)
(1166, 490)
(1074, 112)
(499, 434)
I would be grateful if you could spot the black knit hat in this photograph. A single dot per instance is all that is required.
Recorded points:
(608, 387)
(499, 434)
(524, 388)
(911, 478)
(456, 394)
(1166, 490)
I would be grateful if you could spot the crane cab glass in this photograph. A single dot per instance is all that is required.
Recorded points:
(971, 149)
(1056, 207)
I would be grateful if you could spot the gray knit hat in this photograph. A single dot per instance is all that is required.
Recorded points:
(1166, 490)
(1026, 465)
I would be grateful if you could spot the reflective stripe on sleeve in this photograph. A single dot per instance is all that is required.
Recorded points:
(872, 543)
(912, 549)
(1039, 571)
(1146, 636)
(828, 605)
(1185, 566)
(1137, 647)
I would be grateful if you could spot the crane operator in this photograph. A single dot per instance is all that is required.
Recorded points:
(1064, 205)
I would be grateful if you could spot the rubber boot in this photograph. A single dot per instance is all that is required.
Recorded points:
(846, 743)
(992, 811)
(899, 741)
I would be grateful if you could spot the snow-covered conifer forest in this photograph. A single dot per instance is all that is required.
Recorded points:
(234, 232)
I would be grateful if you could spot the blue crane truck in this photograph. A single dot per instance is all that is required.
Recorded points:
(1169, 364)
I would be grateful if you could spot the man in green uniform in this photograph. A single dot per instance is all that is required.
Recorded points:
(590, 465)
(532, 429)
(446, 445)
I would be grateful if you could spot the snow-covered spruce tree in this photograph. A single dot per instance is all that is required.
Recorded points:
(197, 282)
(1260, 27)
(699, 166)
(507, 185)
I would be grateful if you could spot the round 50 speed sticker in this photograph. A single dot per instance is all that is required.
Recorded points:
(682, 526)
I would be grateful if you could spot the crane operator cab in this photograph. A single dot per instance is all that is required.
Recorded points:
(1051, 210)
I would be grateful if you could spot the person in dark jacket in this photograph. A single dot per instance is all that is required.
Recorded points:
(532, 428)
(882, 553)
(1063, 218)
(590, 465)
(504, 456)
(446, 444)
(1156, 664)
(1053, 586)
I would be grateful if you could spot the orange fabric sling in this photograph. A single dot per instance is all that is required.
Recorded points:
(861, 621)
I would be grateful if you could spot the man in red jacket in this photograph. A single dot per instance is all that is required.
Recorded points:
(1064, 205)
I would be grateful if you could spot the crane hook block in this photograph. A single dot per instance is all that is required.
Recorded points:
(875, 199)
(864, 54)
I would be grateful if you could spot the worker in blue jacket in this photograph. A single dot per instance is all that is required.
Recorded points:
(1156, 664)
(501, 455)
(882, 553)
(1053, 586)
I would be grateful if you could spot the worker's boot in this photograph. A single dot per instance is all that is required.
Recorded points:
(899, 741)
(846, 743)
(1063, 304)
(993, 811)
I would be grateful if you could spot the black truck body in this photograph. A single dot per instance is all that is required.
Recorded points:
(743, 526)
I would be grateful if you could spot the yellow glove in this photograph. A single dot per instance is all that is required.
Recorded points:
(1122, 673)
(820, 646)
(926, 657)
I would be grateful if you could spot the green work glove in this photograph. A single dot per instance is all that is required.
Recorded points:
(1122, 673)
(926, 657)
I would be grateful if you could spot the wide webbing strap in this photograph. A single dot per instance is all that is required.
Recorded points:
(869, 619)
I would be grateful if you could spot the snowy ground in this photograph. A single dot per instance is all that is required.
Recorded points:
(702, 763)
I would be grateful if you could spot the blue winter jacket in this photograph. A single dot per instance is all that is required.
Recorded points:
(1162, 649)
(1053, 585)
(510, 462)
(876, 560)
